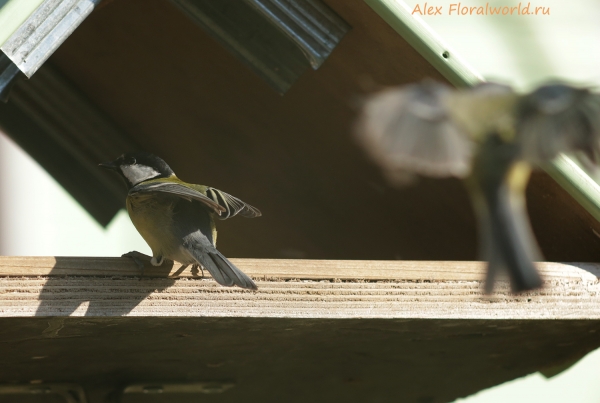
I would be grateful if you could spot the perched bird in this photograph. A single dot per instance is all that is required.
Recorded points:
(176, 218)
(432, 130)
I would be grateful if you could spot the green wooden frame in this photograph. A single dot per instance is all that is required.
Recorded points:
(420, 36)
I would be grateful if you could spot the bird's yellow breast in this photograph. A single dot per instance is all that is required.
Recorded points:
(153, 218)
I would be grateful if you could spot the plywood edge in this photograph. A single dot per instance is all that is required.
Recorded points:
(81, 286)
(367, 270)
(301, 299)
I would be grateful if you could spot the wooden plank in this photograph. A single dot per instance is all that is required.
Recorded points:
(75, 286)
(371, 270)
(333, 330)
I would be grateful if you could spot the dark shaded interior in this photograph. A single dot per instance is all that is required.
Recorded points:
(287, 360)
(178, 93)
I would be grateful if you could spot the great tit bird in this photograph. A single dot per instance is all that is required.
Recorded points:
(432, 130)
(176, 218)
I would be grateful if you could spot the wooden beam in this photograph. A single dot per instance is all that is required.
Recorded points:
(316, 330)
(372, 270)
(286, 359)
(77, 286)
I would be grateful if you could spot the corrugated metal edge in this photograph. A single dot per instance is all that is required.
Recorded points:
(68, 135)
(12, 14)
(44, 31)
(310, 24)
(8, 74)
(420, 36)
(280, 62)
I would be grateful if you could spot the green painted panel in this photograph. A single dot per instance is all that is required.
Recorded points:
(577, 182)
(421, 37)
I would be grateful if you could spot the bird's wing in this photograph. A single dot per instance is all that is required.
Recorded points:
(231, 205)
(409, 130)
(182, 190)
(558, 118)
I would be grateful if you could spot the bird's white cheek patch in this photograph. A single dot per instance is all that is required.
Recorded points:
(138, 173)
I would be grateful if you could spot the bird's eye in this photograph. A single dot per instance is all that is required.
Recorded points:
(130, 161)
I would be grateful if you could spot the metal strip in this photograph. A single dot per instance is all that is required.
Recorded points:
(577, 183)
(68, 392)
(8, 73)
(68, 136)
(420, 36)
(13, 13)
(245, 34)
(278, 39)
(44, 31)
(426, 41)
(150, 388)
(313, 26)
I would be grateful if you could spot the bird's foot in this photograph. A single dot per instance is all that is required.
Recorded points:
(195, 268)
(139, 258)
(157, 260)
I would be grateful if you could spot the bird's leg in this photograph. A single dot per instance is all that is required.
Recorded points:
(196, 266)
(157, 260)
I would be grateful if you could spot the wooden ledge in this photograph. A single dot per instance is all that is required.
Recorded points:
(367, 270)
(70, 286)
(316, 331)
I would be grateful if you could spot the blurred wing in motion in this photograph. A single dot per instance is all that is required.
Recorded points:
(558, 118)
(484, 108)
(408, 131)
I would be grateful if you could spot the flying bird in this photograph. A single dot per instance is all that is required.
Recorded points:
(490, 137)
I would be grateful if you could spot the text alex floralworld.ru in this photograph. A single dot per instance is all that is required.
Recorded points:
(460, 9)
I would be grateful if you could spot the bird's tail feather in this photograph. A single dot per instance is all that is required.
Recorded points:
(509, 243)
(223, 271)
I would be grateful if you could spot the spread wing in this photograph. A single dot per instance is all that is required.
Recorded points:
(178, 189)
(232, 205)
(408, 131)
(559, 118)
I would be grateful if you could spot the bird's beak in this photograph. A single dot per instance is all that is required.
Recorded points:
(109, 165)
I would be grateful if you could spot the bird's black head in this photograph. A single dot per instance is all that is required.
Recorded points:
(553, 99)
(138, 167)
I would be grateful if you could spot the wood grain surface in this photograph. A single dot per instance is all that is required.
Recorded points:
(63, 286)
